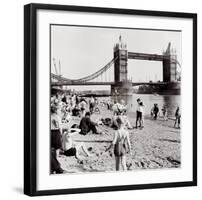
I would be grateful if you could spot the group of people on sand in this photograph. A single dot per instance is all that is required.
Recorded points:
(155, 113)
(62, 141)
(64, 107)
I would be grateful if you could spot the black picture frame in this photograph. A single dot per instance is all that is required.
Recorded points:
(30, 98)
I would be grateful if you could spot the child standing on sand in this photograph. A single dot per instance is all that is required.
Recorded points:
(155, 111)
(165, 112)
(121, 145)
(177, 117)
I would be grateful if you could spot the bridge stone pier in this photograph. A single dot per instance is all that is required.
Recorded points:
(121, 86)
(169, 65)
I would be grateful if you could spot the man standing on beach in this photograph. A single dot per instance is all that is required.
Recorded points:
(138, 113)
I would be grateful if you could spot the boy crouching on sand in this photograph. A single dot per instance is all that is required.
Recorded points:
(72, 148)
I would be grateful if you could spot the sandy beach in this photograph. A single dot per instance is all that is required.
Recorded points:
(155, 146)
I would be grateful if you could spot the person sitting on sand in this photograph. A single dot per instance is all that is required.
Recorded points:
(76, 111)
(87, 125)
(122, 107)
(126, 122)
(91, 104)
(121, 145)
(177, 117)
(96, 106)
(83, 105)
(72, 148)
(119, 108)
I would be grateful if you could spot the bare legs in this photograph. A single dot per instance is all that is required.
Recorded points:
(177, 122)
(81, 146)
(120, 162)
(117, 161)
(127, 123)
(123, 162)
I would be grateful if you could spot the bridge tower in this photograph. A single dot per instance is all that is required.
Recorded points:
(169, 65)
(122, 85)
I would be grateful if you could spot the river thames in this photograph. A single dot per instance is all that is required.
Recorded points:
(170, 101)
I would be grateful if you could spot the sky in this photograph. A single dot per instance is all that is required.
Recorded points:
(84, 50)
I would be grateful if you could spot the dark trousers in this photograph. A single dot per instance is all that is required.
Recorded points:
(155, 115)
(138, 118)
(55, 144)
(91, 127)
(55, 165)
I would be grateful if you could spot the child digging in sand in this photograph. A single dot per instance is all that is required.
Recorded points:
(72, 148)
(121, 145)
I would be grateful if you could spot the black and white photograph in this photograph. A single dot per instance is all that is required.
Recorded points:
(110, 99)
(115, 99)
(100, 100)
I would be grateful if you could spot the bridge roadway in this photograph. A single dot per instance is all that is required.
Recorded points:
(146, 56)
(61, 83)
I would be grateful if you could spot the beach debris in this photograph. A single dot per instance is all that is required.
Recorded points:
(80, 162)
(75, 126)
(142, 164)
(129, 165)
(173, 161)
(90, 148)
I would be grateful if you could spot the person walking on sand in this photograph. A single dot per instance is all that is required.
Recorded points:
(177, 117)
(155, 111)
(121, 145)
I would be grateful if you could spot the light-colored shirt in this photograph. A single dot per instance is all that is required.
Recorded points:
(92, 100)
(67, 142)
(138, 108)
(55, 122)
(141, 109)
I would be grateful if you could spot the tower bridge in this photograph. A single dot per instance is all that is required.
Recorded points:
(120, 82)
